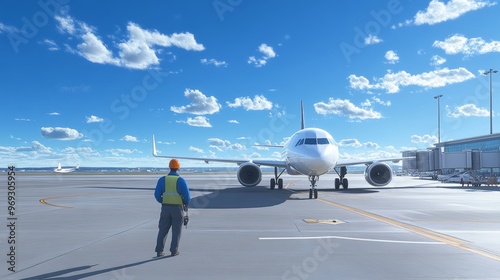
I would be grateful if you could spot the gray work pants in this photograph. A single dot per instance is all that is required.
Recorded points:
(170, 216)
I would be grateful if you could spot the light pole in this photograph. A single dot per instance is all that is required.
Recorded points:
(491, 71)
(439, 117)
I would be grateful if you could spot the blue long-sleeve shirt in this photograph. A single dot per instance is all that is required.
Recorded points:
(182, 188)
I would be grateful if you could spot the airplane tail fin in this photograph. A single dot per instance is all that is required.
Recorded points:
(154, 146)
(302, 125)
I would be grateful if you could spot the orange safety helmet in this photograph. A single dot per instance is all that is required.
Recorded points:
(174, 164)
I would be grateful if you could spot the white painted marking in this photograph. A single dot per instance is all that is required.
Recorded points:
(351, 238)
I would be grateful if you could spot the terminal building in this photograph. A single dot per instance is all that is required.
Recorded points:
(477, 155)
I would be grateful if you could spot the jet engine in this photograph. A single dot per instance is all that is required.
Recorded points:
(378, 174)
(249, 174)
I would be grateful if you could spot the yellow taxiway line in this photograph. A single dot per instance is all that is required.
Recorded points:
(446, 239)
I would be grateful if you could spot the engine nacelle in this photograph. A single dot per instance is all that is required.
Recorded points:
(249, 174)
(378, 174)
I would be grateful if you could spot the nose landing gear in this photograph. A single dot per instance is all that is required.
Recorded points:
(313, 191)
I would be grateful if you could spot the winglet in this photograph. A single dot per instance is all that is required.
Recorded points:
(154, 146)
(302, 125)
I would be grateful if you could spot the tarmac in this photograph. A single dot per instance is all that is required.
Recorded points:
(77, 226)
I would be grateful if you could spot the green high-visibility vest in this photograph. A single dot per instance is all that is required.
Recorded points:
(171, 196)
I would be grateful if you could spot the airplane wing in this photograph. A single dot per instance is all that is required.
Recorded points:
(275, 163)
(341, 163)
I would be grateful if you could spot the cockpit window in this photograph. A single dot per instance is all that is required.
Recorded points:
(300, 142)
(310, 141)
(315, 141)
(323, 141)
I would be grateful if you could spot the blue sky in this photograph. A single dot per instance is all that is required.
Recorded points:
(89, 82)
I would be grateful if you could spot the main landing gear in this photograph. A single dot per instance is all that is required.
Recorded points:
(277, 179)
(313, 191)
(341, 180)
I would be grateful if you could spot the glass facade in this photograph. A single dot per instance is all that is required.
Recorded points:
(482, 145)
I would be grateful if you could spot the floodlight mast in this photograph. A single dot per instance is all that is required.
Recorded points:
(439, 117)
(491, 72)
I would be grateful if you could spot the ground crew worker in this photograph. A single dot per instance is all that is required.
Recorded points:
(173, 193)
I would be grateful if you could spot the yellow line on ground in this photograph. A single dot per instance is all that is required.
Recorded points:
(44, 200)
(446, 239)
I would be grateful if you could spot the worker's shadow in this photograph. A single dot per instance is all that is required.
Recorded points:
(59, 275)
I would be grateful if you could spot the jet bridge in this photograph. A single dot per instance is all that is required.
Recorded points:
(434, 160)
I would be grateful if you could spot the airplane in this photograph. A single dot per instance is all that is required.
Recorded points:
(59, 169)
(309, 151)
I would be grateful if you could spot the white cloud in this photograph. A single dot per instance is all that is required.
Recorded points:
(345, 108)
(52, 46)
(214, 62)
(94, 119)
(233, 121)
(379, 101)
(259, 102)
(8, 28)
(438, 12)
(94, 50)
(54, 114)
(436, 60)
(199, 121)
(392, 82)
(129, 138)
(350, 143)
(426, 139)
(139, 51)
(467, 110)
(196, 150)
(220, 145)
(460, 44)
(371, 145)
(392, 57)
(35, 147)
(60, 133)
(267, 53)
(372, 40)
(121, 152)
(200, 104)
(66, 24)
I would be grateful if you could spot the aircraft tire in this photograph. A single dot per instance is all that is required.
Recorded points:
(337, 183)
(310, 193)
(273, 183)
(345, 184)
(315, 193)
(280, 184)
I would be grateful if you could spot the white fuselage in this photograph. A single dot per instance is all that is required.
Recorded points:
(310, 151)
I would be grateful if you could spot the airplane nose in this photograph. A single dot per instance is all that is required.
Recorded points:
(320, 164)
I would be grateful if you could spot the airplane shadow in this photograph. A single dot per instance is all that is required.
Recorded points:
(234, 197)
(58, 275)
